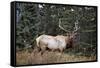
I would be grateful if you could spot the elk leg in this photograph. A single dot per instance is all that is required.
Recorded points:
(61, 50)
(52, 50)
(37, 49)
(43, 48)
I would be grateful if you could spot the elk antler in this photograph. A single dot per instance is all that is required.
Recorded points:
(76, 28)
(62, 27)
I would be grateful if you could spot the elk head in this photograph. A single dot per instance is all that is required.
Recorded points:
(71, 35)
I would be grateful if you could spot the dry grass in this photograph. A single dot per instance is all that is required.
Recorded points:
(25, 57)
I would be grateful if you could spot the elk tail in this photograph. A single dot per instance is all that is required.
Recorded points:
(38, 41)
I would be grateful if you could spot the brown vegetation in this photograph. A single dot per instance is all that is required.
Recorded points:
(26, 57)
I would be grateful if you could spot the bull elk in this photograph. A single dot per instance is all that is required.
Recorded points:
(58, 42)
